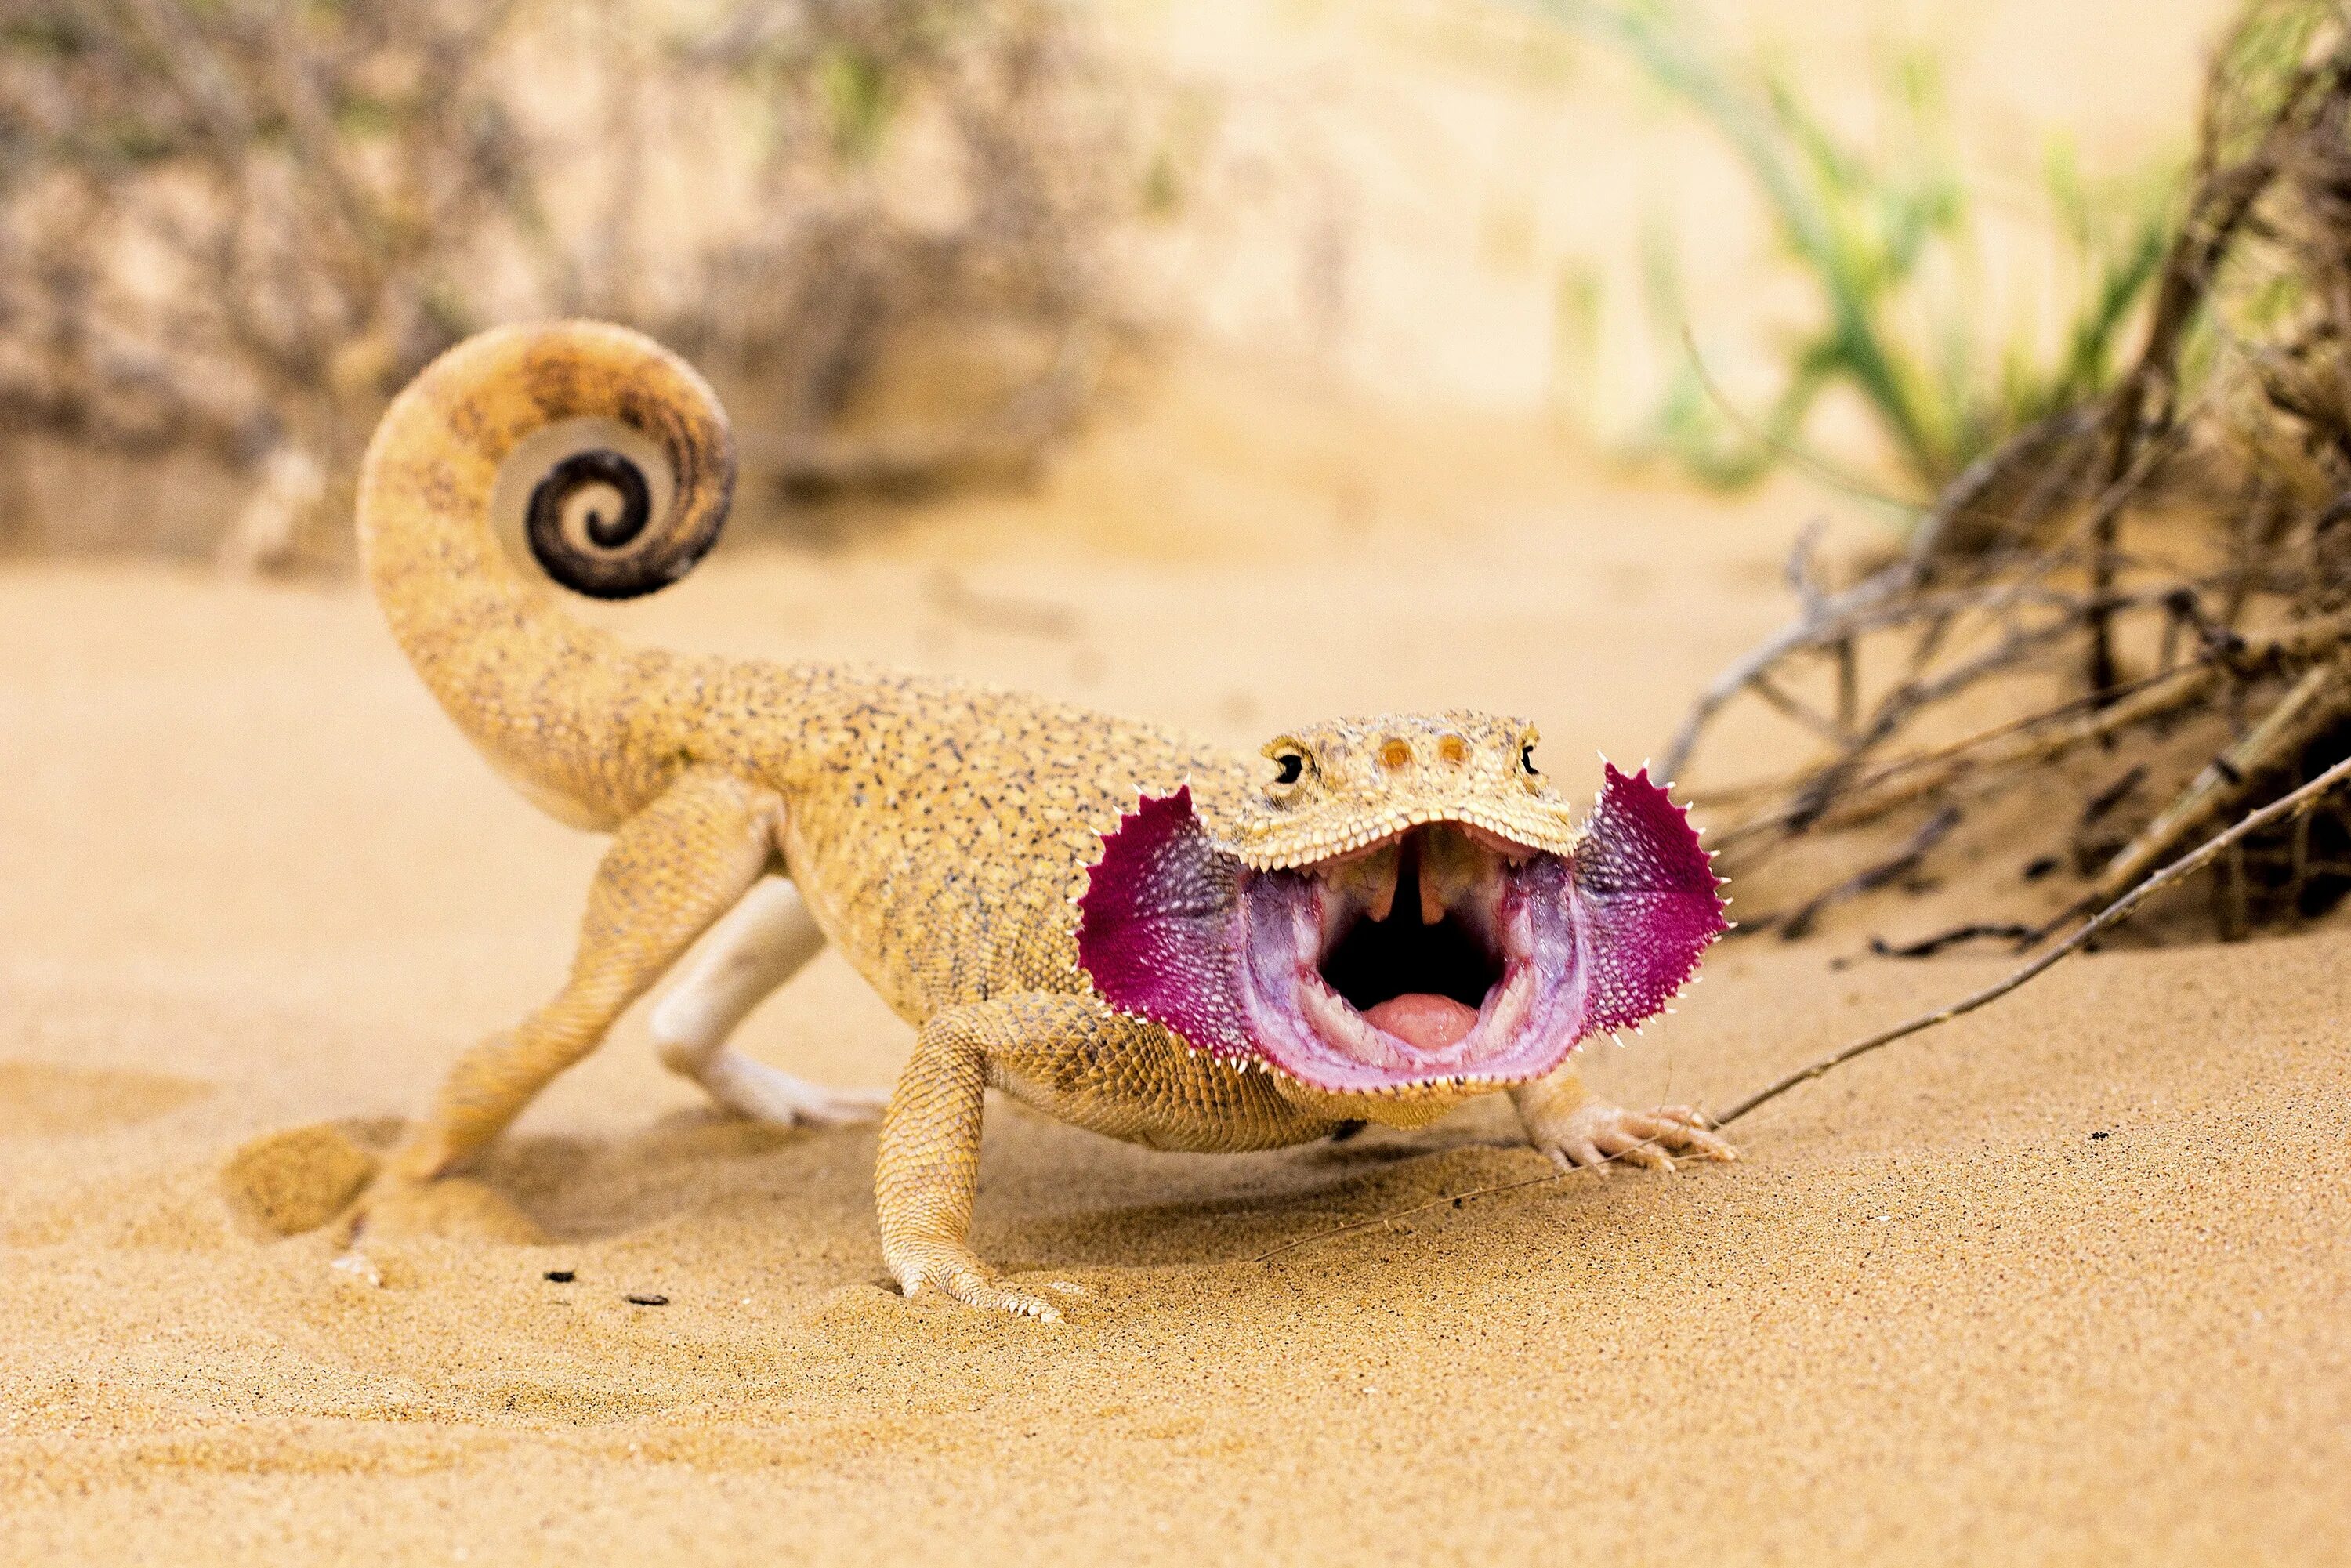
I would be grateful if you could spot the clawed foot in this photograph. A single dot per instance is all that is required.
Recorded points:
(765, 1093)
(1596, 1133)
(959, 1272)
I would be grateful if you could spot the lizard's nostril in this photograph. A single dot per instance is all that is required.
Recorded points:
(1453, 749)
(1396, 753)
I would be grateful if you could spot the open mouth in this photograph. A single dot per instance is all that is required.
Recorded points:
(1411, 962)
(1441, 954)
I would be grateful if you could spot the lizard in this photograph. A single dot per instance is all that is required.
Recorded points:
(1134, 931)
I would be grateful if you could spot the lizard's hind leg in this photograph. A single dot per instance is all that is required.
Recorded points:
(765, 941)
(672, 868)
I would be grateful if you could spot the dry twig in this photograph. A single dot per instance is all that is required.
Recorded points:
(2208, 524)
(2293, 804)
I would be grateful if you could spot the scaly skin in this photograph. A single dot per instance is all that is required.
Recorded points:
(939, 833)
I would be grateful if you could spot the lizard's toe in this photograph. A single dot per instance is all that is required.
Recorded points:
(1685, 1131)
(962, 1275)
(763, 1093)
(1644, 1153)
(1577, 1154)
(1596, 1135)
(990, 1294)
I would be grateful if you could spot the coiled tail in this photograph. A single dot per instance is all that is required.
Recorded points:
(573, 716)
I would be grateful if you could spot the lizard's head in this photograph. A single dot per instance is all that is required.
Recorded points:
(1404, 906)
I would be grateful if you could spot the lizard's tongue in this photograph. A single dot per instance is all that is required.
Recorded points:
(1423, 1021)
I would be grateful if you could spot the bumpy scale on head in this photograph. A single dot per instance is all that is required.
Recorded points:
(1352, 782)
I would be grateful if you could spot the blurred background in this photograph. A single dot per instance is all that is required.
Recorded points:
(925, 245)
(1997, 344)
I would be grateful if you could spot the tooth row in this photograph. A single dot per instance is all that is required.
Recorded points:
(1459, 1081)
(1324, 845)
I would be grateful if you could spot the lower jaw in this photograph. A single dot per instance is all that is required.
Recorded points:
(1405, 1107)
(1457, 1066)
(1443, 1089)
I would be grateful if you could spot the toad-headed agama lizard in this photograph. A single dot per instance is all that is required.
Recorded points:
(1129, 929)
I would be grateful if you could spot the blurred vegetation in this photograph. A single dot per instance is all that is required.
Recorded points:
(2130, 623)
(234, 226)
(1887, 235)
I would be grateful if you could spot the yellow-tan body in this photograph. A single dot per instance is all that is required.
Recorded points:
(939, 833)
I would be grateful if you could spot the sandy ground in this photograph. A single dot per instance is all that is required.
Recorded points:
(2067, 1282)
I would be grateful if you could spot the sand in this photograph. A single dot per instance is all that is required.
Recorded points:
(2065, 1282)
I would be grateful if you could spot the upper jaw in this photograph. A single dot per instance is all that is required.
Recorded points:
(1314, 837)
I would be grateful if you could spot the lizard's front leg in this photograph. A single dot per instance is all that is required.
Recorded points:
(1567, 1121)
(928, 1171)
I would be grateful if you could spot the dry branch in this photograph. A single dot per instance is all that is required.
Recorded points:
(2202, 509)
(2309, 705)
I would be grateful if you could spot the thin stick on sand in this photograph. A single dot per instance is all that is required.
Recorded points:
(2283, 807)
(2288, 805)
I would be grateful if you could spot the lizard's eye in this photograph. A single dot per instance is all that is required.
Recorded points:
(1290, 763)
(1527, 759)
